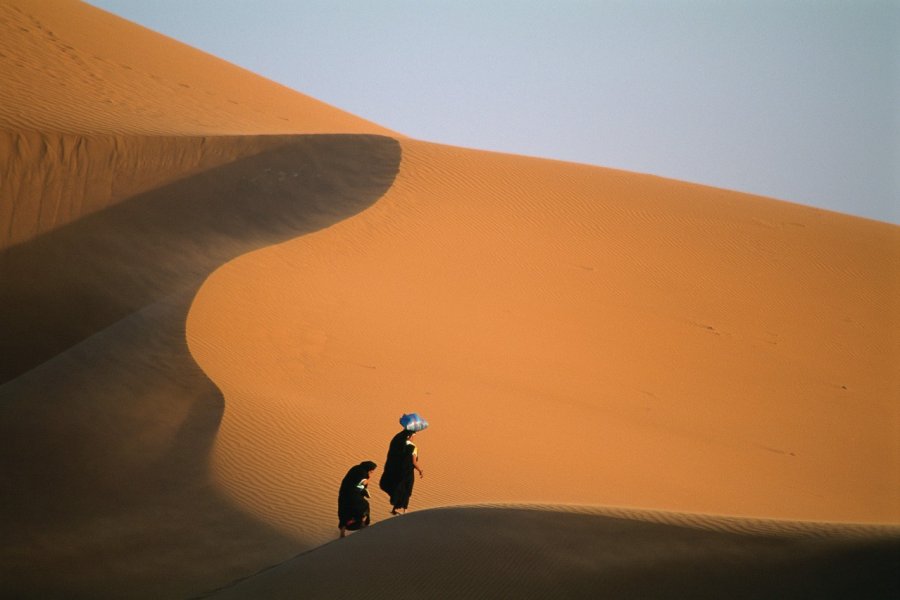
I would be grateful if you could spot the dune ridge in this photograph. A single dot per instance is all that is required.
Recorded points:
(713, 522)
(478, 552)
(69, 67)
(53, 179)
(171, 237)
(94, 109)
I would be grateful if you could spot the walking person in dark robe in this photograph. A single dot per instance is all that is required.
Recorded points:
(399, 470)
(353, 503)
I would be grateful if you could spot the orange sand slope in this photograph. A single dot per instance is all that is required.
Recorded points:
(574, 334)
(217, 294)
(71, 68)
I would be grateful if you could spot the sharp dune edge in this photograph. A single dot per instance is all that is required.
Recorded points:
(98, 105)
(218, 294)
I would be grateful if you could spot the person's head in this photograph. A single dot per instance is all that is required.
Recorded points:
(369, 466)
(408, 434)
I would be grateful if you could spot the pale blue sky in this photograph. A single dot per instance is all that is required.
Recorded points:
(794, 99)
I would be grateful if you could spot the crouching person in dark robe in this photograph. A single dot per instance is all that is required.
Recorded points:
(353, 503)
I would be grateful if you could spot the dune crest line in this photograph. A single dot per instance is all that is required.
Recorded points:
(555, 552)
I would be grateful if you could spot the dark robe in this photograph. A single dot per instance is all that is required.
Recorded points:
(353, 506)
(399, 473)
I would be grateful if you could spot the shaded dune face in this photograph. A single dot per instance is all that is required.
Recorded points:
(106, 420)
(131, 166)
(514, 553)
(106, 492)
(50, 179)
(70, 283)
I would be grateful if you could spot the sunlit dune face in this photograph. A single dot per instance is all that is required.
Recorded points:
(620, 339)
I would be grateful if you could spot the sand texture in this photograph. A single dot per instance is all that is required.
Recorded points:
(97, 105)
(218, 294)
(524, 553)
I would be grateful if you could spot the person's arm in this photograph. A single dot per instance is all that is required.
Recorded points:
(416, 466)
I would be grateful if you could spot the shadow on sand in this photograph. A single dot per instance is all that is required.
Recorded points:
(107, 422)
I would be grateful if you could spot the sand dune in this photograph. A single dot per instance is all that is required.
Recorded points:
(575, 334)
(525, 553)
(107, 420)
(98, 105)
(70, 283)
(71, 68)
(52, 179)
(217, 294)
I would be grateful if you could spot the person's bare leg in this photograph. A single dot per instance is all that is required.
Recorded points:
(343, 531)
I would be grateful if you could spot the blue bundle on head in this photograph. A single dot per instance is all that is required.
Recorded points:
(413, 422)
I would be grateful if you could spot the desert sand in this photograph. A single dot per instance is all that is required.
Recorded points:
(218, 294)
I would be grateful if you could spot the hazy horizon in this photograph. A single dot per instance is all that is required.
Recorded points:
(794, 100)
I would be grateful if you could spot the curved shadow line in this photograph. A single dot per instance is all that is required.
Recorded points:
(68, 284)
(93, 317)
